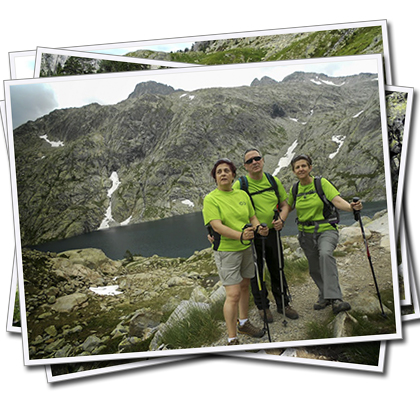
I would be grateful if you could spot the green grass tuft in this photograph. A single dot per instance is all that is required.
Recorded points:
(198, 329)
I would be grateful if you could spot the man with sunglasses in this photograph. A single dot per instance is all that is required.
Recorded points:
(265, 201)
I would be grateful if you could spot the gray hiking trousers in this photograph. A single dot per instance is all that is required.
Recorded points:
(318, 249)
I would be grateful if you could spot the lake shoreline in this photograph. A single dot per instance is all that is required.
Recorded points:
(177, 236)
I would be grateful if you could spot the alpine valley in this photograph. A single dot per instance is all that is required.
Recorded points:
(149, 156)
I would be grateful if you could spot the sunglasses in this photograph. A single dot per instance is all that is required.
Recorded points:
(256, 158)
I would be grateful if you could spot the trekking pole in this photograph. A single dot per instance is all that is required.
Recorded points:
(259, 282)
(281, 268)
(358, 217)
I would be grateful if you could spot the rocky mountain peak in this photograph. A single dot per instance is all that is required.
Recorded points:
(151, 87)
(264, 81)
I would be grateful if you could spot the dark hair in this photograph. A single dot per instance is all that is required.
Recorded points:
(301, 157)
(251, 149)
(220, 161)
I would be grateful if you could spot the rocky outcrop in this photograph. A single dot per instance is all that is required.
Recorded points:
(152, 88)
(69, 65)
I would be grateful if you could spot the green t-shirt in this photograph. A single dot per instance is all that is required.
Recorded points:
(266, 202)
(309, 206)
(234, 209)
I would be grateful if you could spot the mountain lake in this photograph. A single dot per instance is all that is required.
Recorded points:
(177, 236)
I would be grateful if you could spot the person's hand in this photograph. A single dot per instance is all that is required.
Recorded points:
(278, 224)
(356, 205)
(248, 234)
(210, 238)
(263, 230)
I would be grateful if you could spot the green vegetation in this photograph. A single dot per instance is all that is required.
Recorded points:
(312, 46)
(317, 331)
(296, 271)
(235, 55)
(361, 39)
(198, 329)
(107, 66)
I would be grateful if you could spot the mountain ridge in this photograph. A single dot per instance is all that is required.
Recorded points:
(162, 144)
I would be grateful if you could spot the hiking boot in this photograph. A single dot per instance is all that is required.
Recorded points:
(339, 306)
(234, 342)
(322, 304)
(269, 315)
(288, 311)
(291, 313)
(249, 329)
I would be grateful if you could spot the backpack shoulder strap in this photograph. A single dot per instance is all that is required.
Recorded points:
(243, 183)
(330, 211)
(319, 189)
(273, 183)
(294, 192)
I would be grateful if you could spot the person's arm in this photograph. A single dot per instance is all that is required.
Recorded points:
(230, 233)
(344, 205)
(285, 209)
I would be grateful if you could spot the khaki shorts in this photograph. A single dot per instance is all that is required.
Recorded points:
(234, 266)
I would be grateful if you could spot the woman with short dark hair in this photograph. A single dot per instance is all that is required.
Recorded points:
(227, 211)
(318, 233)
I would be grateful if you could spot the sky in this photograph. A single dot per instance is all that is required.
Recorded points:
(33, 98)
(164, 47)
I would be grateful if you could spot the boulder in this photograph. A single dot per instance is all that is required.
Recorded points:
(177, 315)
(199, 294)
(68, 303)
(91, 343)
(92, 258)
(343, 324)
(352, 234)
(380, 225)
(140, 324)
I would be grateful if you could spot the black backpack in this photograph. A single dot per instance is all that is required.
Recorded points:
(330, 212)
(243, 183)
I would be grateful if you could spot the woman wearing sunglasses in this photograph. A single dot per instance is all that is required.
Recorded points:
(227, 211)
(318, 237)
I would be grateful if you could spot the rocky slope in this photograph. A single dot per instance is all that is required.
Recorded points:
(81, 303)
(275, 47)
(157, 147)
(396, 105)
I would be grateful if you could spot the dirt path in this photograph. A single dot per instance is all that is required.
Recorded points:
(356, 282)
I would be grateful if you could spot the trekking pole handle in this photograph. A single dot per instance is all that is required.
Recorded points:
(263, 225)
(356, 212)
(248, 225)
